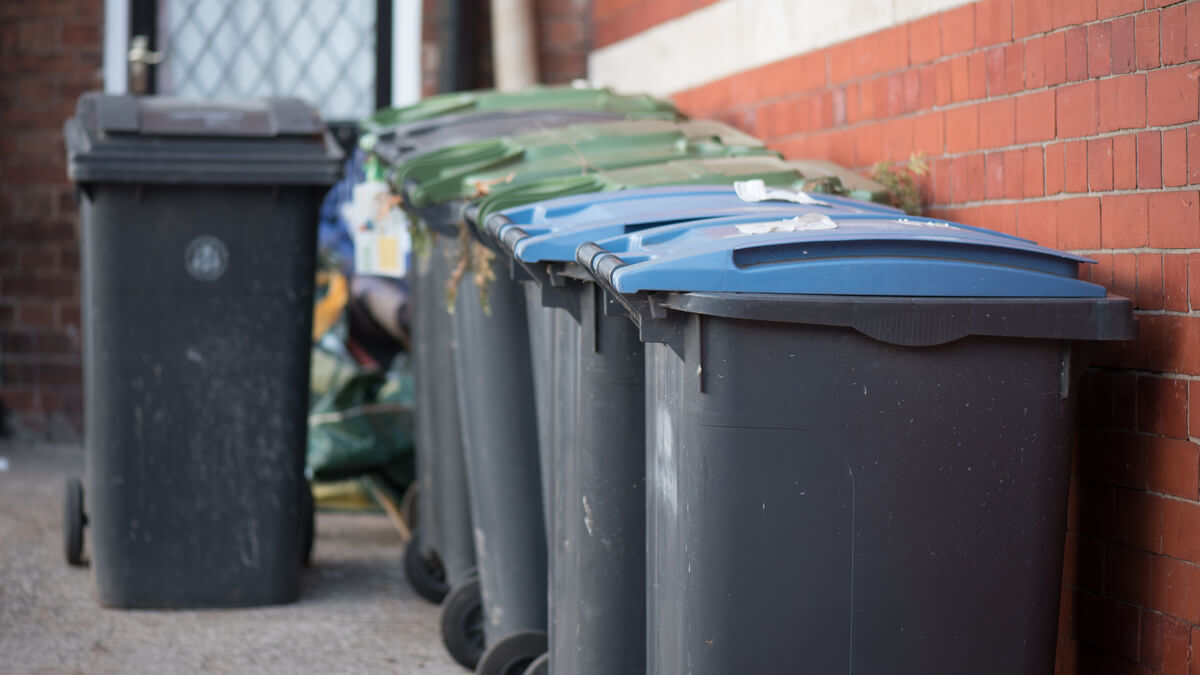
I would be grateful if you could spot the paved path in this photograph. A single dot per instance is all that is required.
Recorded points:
(357, 613)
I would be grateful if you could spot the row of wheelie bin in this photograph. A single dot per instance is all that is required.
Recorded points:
(687, 407)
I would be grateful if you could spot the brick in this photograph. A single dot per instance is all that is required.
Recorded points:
(1162, 402)
(962, 129)
(1125, 162)
(898, 139)
(1174, 158)
(942, 82)
(1122, 102)
(976, 177)
(1175, 279)
(1149, 285)
(1099, 49)
(1125, 283)
(1137, 520)
(1146, 33)
(1035, 117)
(1037, 221)
(1075, 160)
(1173, 35)
(1014, 68)
(994, 176)
(1123, 45)
(976, 75)
(1106, 9)
(928, 134)
(1055, 163)
(1014, 180)
(1192, 50)
(1034, 62)
(958, 30)
(1072, 12)
(940, 173)
(1165, 643)
(1180, 520)
(868, 144)
(1127, 573)
(1077, 110)
(1079, 223)
(924, 39)
(997, 81)
(1124, 221)
(993, 22)
(1194, 393)
(958, 184)
(1056, 58)
(1030, 17)
(997, 123)
(1174, 93)
(1100, 164)
(1175, 219)
(911, 82)
(1032, 179)
(1149, 160)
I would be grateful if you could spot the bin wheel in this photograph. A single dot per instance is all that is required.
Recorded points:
(462, 623)
(74, 521)
(308, 524)
(540, 665)
(425, 574)
(514, 654)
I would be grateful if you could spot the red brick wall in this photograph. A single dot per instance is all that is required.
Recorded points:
(1072, 122)
(50, 53)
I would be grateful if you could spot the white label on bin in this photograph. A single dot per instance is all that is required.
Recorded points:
(805, 223)
(206, 258)
(757, 191)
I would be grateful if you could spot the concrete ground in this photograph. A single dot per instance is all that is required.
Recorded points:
(357, 613)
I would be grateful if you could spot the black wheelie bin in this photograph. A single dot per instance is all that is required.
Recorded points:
(198, 225)
(858, 433)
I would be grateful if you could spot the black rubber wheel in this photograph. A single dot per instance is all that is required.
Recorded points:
(425, 574)
(308, 524)
(73, 522)
(540, 665)
(514, 654)
(462, 623)
(408, 507)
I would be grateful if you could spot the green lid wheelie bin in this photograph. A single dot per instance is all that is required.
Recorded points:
(533, 98)
(859, 432)
(198, 226)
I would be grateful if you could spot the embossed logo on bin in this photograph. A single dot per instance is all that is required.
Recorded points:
(206, 258)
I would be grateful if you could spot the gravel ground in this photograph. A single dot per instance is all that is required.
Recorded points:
(356, 615)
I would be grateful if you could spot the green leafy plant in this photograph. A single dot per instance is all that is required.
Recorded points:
(902, 182)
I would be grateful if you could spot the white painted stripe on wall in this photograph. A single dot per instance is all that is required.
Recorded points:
(730, 36)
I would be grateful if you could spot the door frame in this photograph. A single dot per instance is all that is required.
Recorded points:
(397, 53)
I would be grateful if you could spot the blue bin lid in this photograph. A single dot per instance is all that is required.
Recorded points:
(870, 254)
(554, 229)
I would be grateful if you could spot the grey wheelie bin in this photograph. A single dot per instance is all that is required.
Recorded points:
(431, 565)
(858, 433)
(492, 358)
(198, 222)
(596, 456)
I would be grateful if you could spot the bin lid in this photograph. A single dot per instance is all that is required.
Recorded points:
(396, 144)
(708, 171)
(551, 231)
(121, 138)
(569, 97)
(864, 254)
(465, 171)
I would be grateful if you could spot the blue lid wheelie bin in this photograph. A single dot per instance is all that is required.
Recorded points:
(596, 458)
(198, 223)
(858, 432)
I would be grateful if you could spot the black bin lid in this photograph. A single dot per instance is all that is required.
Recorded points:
(126, 139)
